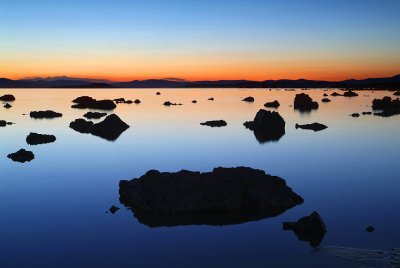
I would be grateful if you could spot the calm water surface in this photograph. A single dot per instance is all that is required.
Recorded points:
(53, 208)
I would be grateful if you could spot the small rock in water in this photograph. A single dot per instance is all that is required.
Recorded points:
(35, 138)
(194, 101)
(168, 103)
(273, 104)
(366, 113)
(137, 101)
(355, 115)
(370, 229)
(214, 123)
(113, 209)
(325, 100)
(248, 99)
(325, 95)
(158, 93)
(7, 97)
(4, 123)
(314, 126)
(86, 102)
(94, 115)
(21, 156)
(335, 94)
(49, 114)
(7, 106)
(350, 93)
(210, 99)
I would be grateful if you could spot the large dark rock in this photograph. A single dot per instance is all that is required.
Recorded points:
(49, 114)
(7, 106)
(267, 126)
(248, 99)
(86, 102)
(22, 156)
(273, 104)
(35, 138)
(350, 93)
(314, 126)
(388, 106)
(310, 228)
(4, 123)
(110, 128)
(304, 102)
(7, 97)
(223, 196)
(94, 115)
(214, 123)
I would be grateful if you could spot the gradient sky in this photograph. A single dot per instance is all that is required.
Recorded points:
(125, 40)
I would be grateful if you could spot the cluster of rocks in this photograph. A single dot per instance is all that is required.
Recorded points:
(49, 114)
(267, 126)
(4, 123)
(304, 102)
(388, 106)
(86, 102)
(122, 100)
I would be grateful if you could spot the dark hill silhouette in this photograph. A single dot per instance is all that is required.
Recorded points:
(67, 82)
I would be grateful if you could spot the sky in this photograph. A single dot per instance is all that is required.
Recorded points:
(124, 40)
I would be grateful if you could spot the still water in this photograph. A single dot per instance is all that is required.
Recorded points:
(53, 208)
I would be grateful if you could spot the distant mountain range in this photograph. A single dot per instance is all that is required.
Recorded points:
(70, 82)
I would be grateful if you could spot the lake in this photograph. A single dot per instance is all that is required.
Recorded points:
(54, 207)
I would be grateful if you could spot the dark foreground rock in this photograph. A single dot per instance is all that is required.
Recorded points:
(22, 156)
(86, 102)
(7, 97)
(4, 123)
(110, 128)
(248, 99)
(272, 104)
(388, 106)
(94, 115)
(350, 93)
(223, 196)
(214, 123)
(35, 138)
(7, 106)
(304, 102)
(49, 114)
(335, 94)
(326, 100)
(314, 126)
(310, 228)
(267, 126)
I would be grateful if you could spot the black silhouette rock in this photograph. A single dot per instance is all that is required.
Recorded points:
(4, 123)
(310, 228)
(168, 103)
(221, 197)
(119, 100)
(370, 229)
(267, 126)
(325, 95)
(194, 101)
(248, 99)
(94, 115)
(158, 93)
(7, 106)
(86, 102)
(388, 106)
(304, 102)
(35, 138)
(110, 128)
(22, 156)
(366, 113)
(129, 102)
(214, 123)
(350, 93)
(7, 97)
(210, 99)
(335, 94)
(314, 126)
(49, 114)
(137, 101)
(325, 100)
(272, 104)
(355, 115)
(397, 93)
(113, 209)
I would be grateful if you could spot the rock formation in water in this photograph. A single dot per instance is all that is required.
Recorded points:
(397, 93)
(366, 113)
(388, 106)
(94, 115)
(248, 99)
(86, 102)
(272, 104)
(22, 156)
(350, 93)
(113, 209)
(325, 100)
(4, 123)
(7, 97)
(194, 101)
(7, 106)
(304, 102)
(168, 103)
(355, 115)
(35, 138)
(110, 128)
(49, 114)
(214, 123)
(210, 99)
(325, 95)
(267, 126)
(335, 94)
(309, 228)
(314, 126)
(137, 101)
(158, 93)
(223, 196)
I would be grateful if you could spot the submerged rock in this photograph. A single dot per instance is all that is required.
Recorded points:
(304, 102)
(350, 93)
(35, 138)
(22, 156)
(94, 115)
(309, 228)
(223, 196)
(272, 104)
(214, 123)
(7, 97)
(325, 100)
(7, 106)
(49, 114)
(86, 102)
(110, 128)
(314, 126)
(388, 106)
(248, 99)
(335, 94)
(267, 126)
